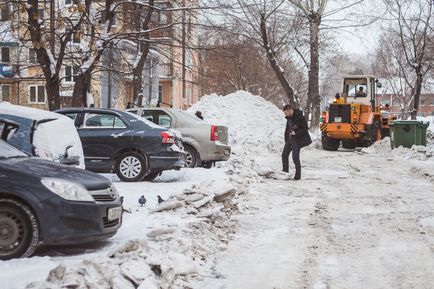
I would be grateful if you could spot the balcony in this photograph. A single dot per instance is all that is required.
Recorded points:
(165, 70)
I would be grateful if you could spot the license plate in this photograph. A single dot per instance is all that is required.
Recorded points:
(338, 119)
(114, 213)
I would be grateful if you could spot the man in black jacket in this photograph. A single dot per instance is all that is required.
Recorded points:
(296, 137)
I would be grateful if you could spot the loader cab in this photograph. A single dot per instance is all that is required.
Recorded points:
(360, 89)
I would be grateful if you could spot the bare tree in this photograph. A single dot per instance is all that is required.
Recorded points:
(237, 63)
(413, 29)
(391, 65)
(268, 24)
(313, 11)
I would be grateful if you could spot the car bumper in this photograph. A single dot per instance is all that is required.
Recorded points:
(162, 162)
(77, 222)
(216, 152)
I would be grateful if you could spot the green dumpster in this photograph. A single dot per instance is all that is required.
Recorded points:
(407, 133)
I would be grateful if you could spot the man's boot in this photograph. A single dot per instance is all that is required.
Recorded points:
(297, 173)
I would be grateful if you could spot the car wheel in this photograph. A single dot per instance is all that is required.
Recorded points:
(207, 165)
(19, 230)
(375, 133)
(131, 167)
(151, 176)
(190, 157)
(348, 144)
(329, 144)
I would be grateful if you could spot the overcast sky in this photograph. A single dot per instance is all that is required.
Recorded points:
(356, 40)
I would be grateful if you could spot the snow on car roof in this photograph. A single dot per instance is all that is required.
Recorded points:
(32, 113)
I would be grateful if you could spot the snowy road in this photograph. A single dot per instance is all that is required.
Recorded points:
(356, 221)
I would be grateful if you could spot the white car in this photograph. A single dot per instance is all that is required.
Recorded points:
(41, 133)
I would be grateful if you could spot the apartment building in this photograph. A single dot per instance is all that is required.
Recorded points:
(426, 103)
(169, 76)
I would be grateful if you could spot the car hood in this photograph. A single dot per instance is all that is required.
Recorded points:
(46, 169)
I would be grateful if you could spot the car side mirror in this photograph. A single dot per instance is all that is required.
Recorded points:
(66, 154)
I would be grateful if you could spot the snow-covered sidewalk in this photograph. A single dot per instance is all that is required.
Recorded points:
(356, 220)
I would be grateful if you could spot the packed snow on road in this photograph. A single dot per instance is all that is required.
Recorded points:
(359, 218)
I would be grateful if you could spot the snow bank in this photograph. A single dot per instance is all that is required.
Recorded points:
(171, 255)
(255, 125)
(415, 153)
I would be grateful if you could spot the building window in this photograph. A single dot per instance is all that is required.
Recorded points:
(76, 35)
(71, 73)
(4, 12)
(32, 55)
(37, 94)
(5, 54)
(160, 93)
(41, 13)
(5, 93)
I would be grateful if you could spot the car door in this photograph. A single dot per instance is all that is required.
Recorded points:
(99, 134)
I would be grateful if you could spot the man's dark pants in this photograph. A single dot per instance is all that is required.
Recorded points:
(291, 146)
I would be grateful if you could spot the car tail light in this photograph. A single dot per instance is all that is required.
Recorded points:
(168, 137)
(214, 133)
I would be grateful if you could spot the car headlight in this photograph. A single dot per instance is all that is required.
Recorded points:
(67, 190)
(114, 191)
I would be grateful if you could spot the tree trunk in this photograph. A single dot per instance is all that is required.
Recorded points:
(278, 70)
(313, 85)
(53, 94)
(418, 88)
(49, 69)
(138, 76)
(81, 88)
(144, 47)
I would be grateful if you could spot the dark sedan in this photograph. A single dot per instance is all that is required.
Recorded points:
(120, 142)
(45, 203)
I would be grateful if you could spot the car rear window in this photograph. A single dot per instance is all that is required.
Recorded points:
(96, 120)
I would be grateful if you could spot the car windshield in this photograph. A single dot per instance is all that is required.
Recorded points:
(8, 151)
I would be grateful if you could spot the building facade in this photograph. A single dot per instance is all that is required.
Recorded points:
(169, 76)
(426, 103)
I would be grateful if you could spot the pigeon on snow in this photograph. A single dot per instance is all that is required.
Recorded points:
(142, 200)
(160, 199)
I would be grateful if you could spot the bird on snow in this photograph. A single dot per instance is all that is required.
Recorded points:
(160, 199)
(142, 200)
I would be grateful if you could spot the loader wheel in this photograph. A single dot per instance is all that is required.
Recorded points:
(329, 144)
(348, 144)
(375, 134)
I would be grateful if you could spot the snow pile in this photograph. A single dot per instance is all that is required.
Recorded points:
(415, 153)
(171, 256)
(256, 128)
(255, 125)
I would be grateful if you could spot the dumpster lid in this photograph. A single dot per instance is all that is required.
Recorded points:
(410, 122)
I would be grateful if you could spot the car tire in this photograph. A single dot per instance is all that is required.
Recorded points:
(207, 165)
(131, 167)
(19, 232)
(329, 144)
(348, 144)
(375, 133)
(191, 157)
(151, 176)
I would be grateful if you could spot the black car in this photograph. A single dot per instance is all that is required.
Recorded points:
(46, 203)
(120, 142)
